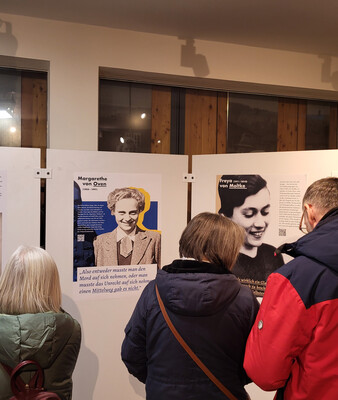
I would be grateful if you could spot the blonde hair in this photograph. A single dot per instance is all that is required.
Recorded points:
(125, 193)
(30, 283)
(213, 237)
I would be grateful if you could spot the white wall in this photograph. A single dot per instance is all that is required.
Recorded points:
(77, 51)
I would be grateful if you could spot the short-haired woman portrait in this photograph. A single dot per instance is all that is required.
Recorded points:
(33, 326)
(128, 243)
(208, 306)
(245, 199)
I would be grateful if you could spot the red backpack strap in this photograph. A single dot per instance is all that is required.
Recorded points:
(7, 369)
(36, 382)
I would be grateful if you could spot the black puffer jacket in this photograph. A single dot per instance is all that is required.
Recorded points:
(213, 313)
(51, 339)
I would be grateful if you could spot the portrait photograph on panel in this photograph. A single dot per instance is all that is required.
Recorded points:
(268, 208)
(116, 220)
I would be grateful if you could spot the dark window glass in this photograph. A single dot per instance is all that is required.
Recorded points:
(252, 123)
(124, 117)
(10, 108)
(317, 125)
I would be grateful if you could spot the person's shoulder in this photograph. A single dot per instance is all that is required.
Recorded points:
(151, 234)
(154, 234)
(267, 247)
(65, 322)
(104, 236)
(246, 296)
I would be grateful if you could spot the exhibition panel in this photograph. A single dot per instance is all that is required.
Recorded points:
(97, 290)
(19, 199)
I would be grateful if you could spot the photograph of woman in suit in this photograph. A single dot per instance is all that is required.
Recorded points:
(246, 200)
(128, 243)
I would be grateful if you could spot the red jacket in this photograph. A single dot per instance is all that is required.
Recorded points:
(293, 343)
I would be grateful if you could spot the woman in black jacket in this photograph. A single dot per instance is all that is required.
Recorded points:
(208, 306)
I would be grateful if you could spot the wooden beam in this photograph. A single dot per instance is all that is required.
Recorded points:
(222, 117)
(301, 123)
(160, 120)
(287, 135)
(333, 132)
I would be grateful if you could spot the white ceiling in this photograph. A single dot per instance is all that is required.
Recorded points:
(301, 25)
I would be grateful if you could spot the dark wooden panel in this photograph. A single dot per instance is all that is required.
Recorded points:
(287, 135)
(301, 125)
(333, 133)
(160, 120)
(34, 112)
(200, 123)
(222, 116)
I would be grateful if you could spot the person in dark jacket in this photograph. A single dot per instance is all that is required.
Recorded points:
(32, 324)
(293, 343)
(208, 306)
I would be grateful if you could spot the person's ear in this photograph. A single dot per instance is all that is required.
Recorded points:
(312, 215)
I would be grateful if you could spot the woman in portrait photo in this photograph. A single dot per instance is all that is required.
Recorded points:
(33, 326)
(246, 200)
(127, 244)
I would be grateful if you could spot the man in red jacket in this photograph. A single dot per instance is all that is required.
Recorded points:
(292, 346)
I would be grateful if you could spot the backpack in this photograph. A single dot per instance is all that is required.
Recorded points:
(33, 390)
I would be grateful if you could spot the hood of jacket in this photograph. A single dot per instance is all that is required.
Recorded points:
(196, 293)
(319, 245)
(40, 336)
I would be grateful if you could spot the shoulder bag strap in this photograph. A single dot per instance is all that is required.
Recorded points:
(179, 338)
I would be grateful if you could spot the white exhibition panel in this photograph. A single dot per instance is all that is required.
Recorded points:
(314, 164)
(20, 199)
(100, 373)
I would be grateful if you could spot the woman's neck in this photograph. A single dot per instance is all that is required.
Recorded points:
(250, 251)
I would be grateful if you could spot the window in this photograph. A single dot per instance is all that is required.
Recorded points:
(166, 119)
(125, 117)
(317, 126)
(252, 123)
(10, 108)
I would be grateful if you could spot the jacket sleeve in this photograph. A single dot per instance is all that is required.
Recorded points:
(133, 352)
(277, 336)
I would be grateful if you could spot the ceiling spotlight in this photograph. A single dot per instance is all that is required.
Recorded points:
(121, 139)
(143, 115)
(12, 129)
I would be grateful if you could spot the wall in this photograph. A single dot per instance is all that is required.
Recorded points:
(76, 52)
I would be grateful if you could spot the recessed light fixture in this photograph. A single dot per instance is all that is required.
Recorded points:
(12, 129)
(143, 115)
(121, 139)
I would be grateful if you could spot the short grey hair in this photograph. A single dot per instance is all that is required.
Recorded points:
(323, 194)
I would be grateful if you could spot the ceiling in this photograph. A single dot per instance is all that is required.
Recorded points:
(309, 26)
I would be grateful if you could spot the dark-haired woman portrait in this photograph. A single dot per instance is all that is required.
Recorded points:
(246, 200)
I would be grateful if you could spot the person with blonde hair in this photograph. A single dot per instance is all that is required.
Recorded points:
(127, 244)
(33, 325)
(208, 306)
